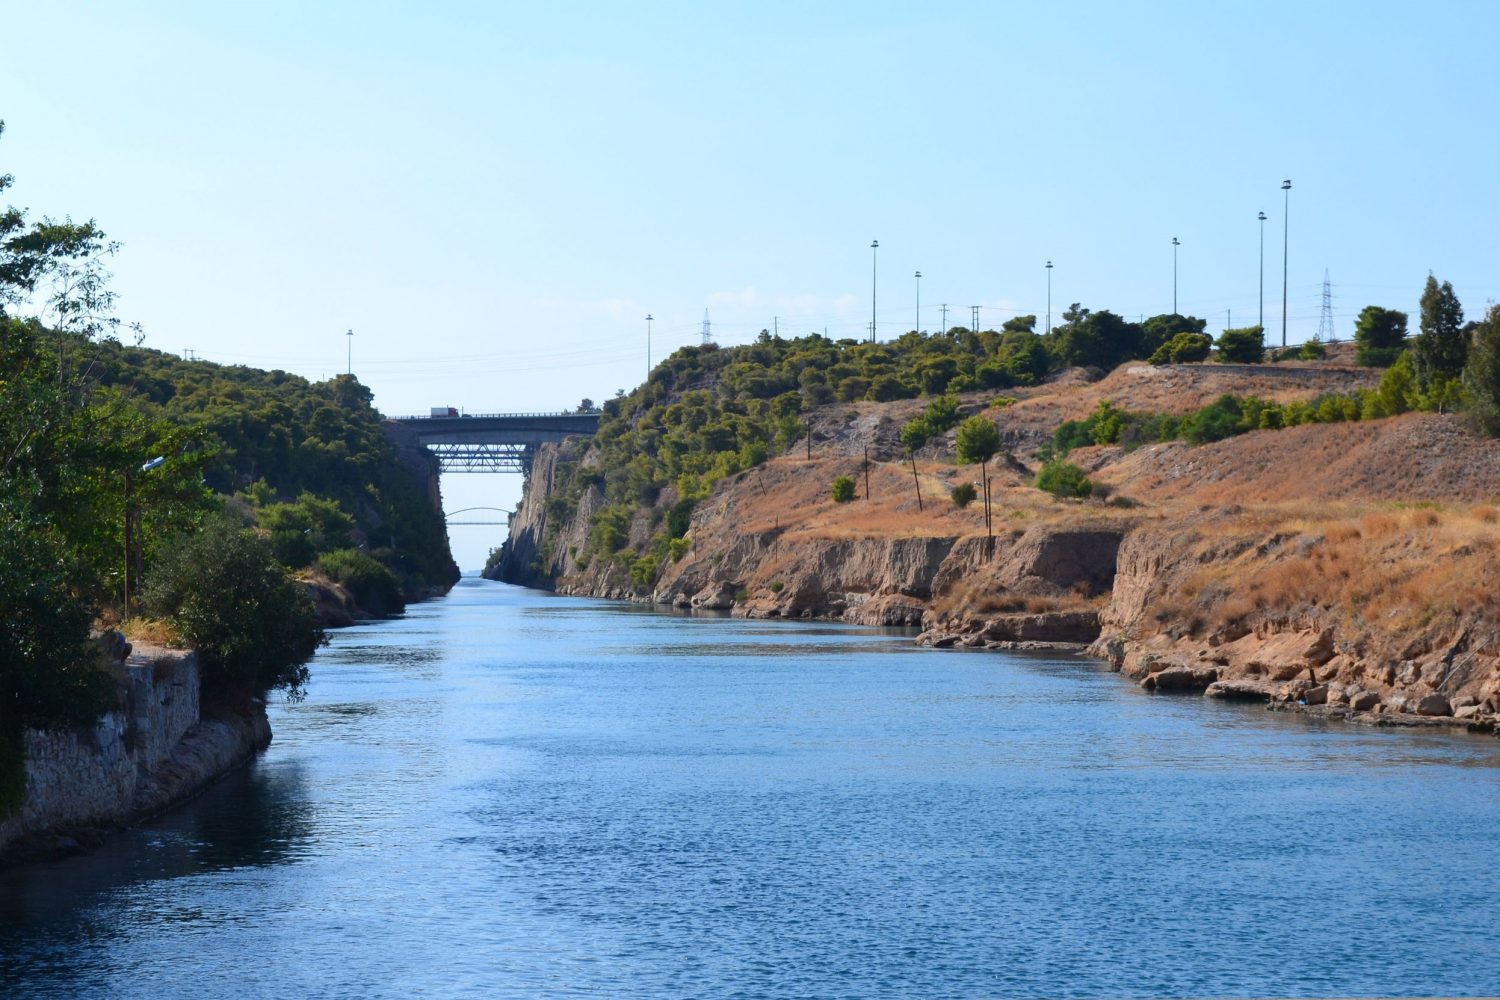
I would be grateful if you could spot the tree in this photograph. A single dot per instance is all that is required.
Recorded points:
(977, 440)
(1482, 373)
(1099, 339)
(252, 624)
(1159, 330)
(1245, 345)
(1379, 336)
(843, 489)
(1440, 349)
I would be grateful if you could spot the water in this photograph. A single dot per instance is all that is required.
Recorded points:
(511, 794)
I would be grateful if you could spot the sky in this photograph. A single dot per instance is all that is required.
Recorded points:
(493, 196)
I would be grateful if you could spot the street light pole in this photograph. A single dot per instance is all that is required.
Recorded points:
(1049, 296)
(648, 347)
(350, 361)
(1262, 217)
(1175, 245)
(919, 301)
(874, 252)
(1286, 186)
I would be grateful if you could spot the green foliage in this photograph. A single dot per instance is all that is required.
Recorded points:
(228, 596)
(643, 571)
(1225, 417)
(777, 586)
(1160, 331)
(370, 582)
(1183, 348)
(677, 548)
(842, 490)
(301, 531)
(1312, 350)
(1379, 336)
(963, 494)
(940, 414)
(977, 440)
(1245, 345)
(1440, 349)
(1064, 479)
(1482, 373)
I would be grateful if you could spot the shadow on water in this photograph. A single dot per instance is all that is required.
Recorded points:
(257, 817)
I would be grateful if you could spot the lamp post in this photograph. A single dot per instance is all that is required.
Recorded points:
(1286, 187)
(1262, 217)
(1049, 296)
(1175, 245)
(129, 540)
(874, 251)
(919, 301)
(648, 347)
(349, 363)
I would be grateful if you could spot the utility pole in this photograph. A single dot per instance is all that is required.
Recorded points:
(945, 318)
(874, 260)
(919, 301)
(1049, 296)
(1175, 245)
(974, 318)
(1262, 217)
(648, 347)
(350, 361)
(1286, 186)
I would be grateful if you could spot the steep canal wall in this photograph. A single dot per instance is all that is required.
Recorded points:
(152, 752)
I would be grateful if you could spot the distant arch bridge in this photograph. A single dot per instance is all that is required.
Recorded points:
(493, 442)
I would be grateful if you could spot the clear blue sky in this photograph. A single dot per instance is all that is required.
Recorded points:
(493, 196)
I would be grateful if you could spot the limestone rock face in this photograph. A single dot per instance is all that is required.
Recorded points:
(1434, 704)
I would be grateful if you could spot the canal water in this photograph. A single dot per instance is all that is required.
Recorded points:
(511, 794)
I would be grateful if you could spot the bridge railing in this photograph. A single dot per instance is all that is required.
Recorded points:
(451, 416)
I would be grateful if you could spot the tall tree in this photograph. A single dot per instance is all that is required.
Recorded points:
(1379, 336)
(1482, 373)
(977, 440)
(1441, 348)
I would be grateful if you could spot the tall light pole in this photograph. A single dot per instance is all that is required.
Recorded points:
(919, 301)
(1049, 296)
(874, 252)
(1175, 245)
(1286, 186)
(350, 360)
(648, 347)
(1262, 217)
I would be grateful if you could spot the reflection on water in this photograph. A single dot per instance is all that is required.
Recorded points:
(511, 794)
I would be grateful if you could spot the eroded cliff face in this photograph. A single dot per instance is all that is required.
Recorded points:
(1355, 607)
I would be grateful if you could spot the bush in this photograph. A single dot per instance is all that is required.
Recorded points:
(1184, 347)
(1246, 345)
(843, 489)
(1379, 336)
(643, 571)
(963, 494)
(252, 625)
(940, 414)
(370, 582)
(1064, 479)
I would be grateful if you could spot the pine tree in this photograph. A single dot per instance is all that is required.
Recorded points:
(1482, 373)
(1440, 349)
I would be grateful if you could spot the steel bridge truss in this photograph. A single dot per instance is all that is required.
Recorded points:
(482, 457)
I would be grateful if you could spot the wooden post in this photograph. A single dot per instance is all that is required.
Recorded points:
(916, 482)
(867, 472)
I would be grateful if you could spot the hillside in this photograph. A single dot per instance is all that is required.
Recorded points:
(1332, 566)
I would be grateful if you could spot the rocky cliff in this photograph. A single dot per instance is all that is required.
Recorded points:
(1344, 569)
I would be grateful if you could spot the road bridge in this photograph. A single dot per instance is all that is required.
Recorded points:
(493, 442)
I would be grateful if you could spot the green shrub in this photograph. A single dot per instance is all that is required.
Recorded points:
(963, 494)
(643, 571)
(777, 586)
(940, 414)
(251, 623)
(370, 582)
(677, 548)
(843, 489)
(1064, 479)
(1183, 347)
(1246, 345)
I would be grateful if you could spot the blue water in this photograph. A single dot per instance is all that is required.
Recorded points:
(511, 794)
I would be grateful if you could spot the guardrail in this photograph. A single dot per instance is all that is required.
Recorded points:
(455, 416)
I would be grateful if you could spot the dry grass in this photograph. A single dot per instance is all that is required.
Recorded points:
(151, 632)
(1400, 569)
